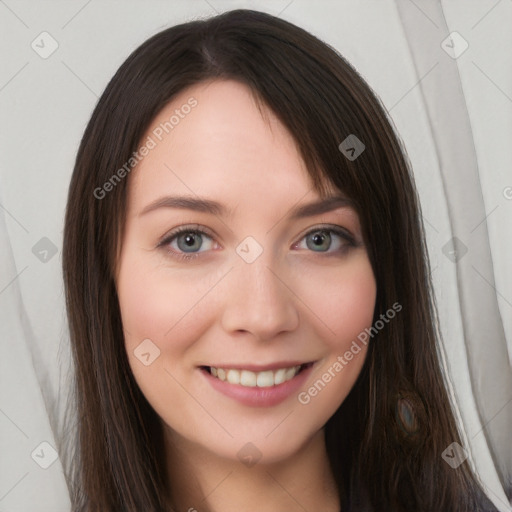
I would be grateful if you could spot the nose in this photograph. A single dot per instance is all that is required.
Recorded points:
(258, 300)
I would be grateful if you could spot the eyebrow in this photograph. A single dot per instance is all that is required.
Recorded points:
(213, 207)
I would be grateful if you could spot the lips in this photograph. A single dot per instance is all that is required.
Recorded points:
(258, 386)
(263, 379)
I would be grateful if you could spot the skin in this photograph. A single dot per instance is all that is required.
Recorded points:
(291, 303)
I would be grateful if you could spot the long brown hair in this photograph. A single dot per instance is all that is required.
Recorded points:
(385, 441)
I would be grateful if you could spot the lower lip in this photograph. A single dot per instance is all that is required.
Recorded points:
(256, 396)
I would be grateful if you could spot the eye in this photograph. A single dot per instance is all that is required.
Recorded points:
(186, 242)
(325, 238)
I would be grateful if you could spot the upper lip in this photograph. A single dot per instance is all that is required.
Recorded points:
(259, 367)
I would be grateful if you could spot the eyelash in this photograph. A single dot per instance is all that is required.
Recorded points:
(197, 231)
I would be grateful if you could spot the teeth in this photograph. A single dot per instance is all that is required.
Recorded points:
(250, 379)
(265, 379)
(290, 373)
(247, 378)
(279, 376)
(233, 376)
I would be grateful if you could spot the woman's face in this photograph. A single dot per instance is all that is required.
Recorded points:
(252, 290)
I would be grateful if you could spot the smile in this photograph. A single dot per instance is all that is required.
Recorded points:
(262, 386)
(262, 379)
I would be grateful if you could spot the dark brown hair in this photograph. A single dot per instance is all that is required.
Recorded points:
(386, 439)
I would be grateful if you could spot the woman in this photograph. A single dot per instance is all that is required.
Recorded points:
(248, 289)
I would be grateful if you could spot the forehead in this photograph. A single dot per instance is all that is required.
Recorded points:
(226, 145)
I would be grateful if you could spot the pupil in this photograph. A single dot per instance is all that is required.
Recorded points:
(318, 239)
(189, 241)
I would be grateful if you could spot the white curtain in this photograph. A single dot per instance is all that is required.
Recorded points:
(442, 70)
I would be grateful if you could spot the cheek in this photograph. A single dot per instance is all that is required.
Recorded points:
(152, 304)
(166, 307)
(345, 303)
(342, 299)
(160, 308)
(143, 303)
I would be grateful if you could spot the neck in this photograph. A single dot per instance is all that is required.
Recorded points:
(201, 481)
